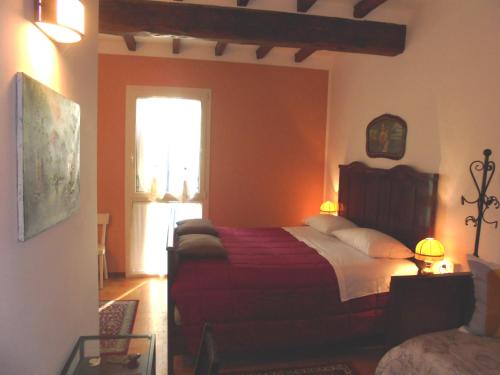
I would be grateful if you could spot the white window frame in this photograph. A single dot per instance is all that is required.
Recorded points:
(132, 94)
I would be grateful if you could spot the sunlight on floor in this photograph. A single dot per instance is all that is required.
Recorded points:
(122, 296)
(151, 317)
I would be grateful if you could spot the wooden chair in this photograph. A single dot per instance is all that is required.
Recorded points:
(102, 219)
(207, 361)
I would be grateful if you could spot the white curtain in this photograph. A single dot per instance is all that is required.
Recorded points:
(152, 232)
(148, 239)
(168, 141)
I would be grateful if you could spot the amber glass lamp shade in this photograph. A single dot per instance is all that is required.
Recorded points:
(329, 207)
(62, 20)
(429, 250)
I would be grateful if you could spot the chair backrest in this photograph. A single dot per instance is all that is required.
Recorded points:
(207, 361)
(103, 219)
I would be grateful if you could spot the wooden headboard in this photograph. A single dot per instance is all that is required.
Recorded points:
(399, 201)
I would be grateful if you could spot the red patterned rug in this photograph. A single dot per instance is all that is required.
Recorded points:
(325, 369)
(116, 318)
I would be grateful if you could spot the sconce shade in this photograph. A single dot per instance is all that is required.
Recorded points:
(329, 207)
(62, 20)
(429, 250)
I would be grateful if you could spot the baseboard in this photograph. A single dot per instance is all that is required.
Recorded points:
(116, 275)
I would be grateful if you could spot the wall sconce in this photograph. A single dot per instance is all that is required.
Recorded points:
(429, 251)
(329, 207)
(62, 20)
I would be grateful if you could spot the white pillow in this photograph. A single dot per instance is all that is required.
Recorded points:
(373, 243)
(328, 223)
(485, 320)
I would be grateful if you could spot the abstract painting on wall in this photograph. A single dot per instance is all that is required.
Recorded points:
(48, 157)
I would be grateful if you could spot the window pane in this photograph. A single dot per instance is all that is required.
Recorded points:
(168, 139)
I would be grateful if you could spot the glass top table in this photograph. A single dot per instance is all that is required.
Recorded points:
(112, 355)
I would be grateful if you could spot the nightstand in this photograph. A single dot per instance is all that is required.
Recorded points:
(428, 303)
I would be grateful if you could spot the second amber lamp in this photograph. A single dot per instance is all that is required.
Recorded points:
(429, 250)
(329, 207)
(62, 20)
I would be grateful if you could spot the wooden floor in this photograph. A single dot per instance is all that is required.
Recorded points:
(152, 319)
(363, 361)
(151, 315)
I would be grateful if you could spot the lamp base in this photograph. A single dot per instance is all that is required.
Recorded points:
(426, 269)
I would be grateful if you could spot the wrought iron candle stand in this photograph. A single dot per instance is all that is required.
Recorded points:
(483, 200)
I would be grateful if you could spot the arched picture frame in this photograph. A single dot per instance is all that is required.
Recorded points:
(386, 137)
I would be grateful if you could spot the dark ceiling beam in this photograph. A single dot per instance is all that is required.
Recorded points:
(130, 42)
(220, 47)
(250, 26)
(242, 3)
(303, 54)
(363, 7)
(304, 5)
(176, 46)
(262, 51)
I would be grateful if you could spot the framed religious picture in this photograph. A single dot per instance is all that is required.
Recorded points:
(386, 137)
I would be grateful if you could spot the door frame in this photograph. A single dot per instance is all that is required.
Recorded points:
(131, 196)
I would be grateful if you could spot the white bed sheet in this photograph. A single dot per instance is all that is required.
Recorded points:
(358, 274)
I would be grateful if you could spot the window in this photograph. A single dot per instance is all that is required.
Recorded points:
(168, 148)
(166, 169)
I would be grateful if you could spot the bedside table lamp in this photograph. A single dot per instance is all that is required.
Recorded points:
(429, 250)
(329, 208)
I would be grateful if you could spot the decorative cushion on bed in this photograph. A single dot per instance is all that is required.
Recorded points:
(196, 226)
(328, 223)
(200, 246)
(486, 318)
(195, 221)
(373, 243)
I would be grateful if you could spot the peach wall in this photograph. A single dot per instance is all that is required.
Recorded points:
(446, 86)
(267, 139)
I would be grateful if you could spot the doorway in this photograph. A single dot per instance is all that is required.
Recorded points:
(166, 170)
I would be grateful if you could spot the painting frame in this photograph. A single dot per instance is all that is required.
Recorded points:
(386, 137)
(48, 157)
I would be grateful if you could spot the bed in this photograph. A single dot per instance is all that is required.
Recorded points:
(460, 334)
(452, 352)
(276, 290)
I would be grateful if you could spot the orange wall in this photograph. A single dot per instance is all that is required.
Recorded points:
(267, 148)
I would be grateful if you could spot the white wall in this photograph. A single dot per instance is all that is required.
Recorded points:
(446, 85)
(49, 285)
